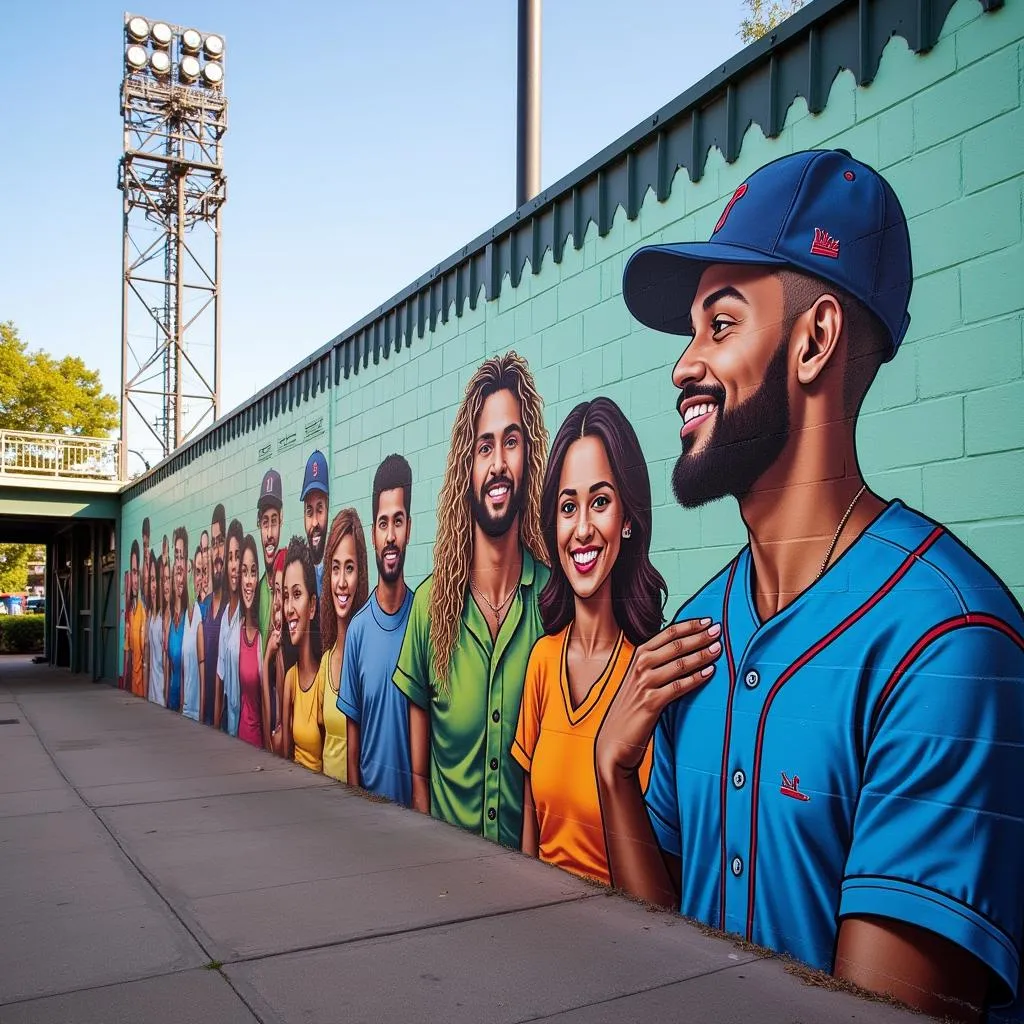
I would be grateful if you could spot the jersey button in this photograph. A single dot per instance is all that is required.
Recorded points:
(738, 779)
(752, 678)
(495, 716)
(494, 764)
(491, 813)
(737, 866)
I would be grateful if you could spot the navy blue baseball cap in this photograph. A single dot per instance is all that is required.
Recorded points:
(316, 475)
(819, 211)
(270, 491)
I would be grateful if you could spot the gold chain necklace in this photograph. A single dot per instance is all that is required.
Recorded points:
(495, 609)
(839, 530)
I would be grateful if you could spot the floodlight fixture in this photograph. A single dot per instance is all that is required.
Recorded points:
(138, 29)
(160, 62)
(135, 56)
(213, 74)
(189, 68)
(162, 34)
(191, 41)
(214, 47)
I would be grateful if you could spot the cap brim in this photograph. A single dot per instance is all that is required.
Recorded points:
(659, 282)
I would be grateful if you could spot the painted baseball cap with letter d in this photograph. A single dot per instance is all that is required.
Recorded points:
(819, 211)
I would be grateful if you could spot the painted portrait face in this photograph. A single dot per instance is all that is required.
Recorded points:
(144, 593)
(344, 576)
(197, 573)
(391, 534)
(299, 606)
(216, 554)
(250, 577)
(165, 567)
(277, 610)
(315, 519)
(499, 461)
(234, 565)
(590, 518)
(133, 576)
(151, 585)
(180, 568)
(733, 383)
(270, 534)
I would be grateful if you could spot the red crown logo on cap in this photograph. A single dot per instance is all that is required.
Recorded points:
(824, 244)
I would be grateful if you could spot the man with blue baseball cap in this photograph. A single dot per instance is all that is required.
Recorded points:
(839, 714)
(315, 497)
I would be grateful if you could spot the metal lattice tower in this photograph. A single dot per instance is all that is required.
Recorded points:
(172, 179)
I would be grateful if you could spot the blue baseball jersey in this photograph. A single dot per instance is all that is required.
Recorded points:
(371, 700)
(861, 752)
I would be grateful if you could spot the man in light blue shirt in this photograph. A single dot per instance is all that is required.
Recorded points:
(377, 711)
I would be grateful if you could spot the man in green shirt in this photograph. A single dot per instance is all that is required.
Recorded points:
(475, 620)
(269, 517)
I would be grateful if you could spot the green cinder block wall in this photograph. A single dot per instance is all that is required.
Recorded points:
(942, 426)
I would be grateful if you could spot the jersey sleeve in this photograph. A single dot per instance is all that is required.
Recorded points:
(528, 726)
(938, 838)
(350, 690)
(660, 795)
(412, 674)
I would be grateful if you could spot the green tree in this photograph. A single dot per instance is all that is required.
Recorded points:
(765, 15)
(14, 567)
(60, 396)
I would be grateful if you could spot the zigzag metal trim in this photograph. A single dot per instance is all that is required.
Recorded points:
(758, 85)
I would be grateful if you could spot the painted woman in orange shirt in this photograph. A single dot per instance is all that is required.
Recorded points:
(603, 599)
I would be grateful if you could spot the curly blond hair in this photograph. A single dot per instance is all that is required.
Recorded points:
(453, 548)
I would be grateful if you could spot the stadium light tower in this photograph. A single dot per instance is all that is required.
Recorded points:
(172, 179)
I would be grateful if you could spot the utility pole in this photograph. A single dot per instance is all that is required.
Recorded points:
(528, 103)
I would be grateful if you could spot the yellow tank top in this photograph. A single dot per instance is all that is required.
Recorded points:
(306, 722)
(335, 723)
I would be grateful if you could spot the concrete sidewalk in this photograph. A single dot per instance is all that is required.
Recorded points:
(152, 869)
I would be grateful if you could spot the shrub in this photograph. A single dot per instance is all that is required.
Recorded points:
(21, 634)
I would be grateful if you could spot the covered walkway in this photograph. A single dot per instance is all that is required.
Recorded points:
(155, 870)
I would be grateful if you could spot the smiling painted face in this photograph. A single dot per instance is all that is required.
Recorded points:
(733, 383)
(391, 534)
(591, 517)
(234, 566)
(270, 534)
(165, 566)
(344, 576)
(180, 569)
(277, 609)
(299, 607)
(250, 577)
(314, 514)
(499, 462)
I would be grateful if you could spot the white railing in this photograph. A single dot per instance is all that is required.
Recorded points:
(59, 455)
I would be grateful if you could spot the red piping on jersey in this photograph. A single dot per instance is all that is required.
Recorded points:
(728, 732)
(933, 634)
(851, 619)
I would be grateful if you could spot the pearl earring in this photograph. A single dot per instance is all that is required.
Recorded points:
(626, 533)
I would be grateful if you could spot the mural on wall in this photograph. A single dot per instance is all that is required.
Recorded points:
(820, 751)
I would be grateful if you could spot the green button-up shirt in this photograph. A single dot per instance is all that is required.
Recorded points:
(472, 729)
(266, 608)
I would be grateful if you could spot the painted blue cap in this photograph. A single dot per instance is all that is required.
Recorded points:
(316, 475)
(820, 211)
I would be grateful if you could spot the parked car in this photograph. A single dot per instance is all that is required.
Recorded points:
(36, 605)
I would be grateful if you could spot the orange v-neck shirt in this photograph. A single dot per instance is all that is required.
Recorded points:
(555, 744)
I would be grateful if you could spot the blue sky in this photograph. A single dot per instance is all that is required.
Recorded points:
(366, 142)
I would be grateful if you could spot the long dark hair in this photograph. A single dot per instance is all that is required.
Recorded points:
(639, 591)
(155, 580)
(249, 544)
(237, 534)
(345, 522)
(298, 551)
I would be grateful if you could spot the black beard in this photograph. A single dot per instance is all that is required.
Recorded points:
(496, 526)
(317, 551)
(743, 444)
(396, 574)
